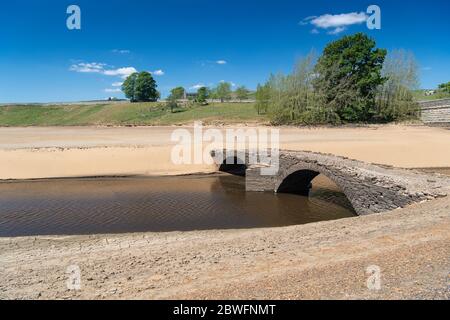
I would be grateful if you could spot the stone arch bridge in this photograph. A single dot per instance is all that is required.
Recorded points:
(370, 188)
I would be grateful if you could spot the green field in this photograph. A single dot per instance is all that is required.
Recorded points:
(126, 114)
(420, 95)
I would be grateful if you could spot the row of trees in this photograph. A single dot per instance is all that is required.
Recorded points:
(352, 81)
(141, 87)
(222, 92)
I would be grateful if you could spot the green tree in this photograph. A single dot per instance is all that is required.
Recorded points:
(262, 98)
(445, 87)
(177, 93)
(242, 93)
(202, 95)
(128, 86)
(395, 100)
(223, 91)
(348, 75)
(172, 103)
(140, 87)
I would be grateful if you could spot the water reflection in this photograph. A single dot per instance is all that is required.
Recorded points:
(89, 206)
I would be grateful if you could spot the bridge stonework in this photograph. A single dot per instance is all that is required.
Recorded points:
(370, 188)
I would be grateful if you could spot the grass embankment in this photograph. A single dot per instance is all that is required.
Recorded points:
(126, 114)
(420, 95)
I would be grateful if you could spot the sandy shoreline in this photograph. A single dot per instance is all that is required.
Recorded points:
(31, 153)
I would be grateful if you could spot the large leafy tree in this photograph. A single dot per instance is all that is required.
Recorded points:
(140, 87)
(145, 89)
(348, 74)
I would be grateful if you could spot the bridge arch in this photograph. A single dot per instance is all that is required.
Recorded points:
(233, 165)
(298, 180)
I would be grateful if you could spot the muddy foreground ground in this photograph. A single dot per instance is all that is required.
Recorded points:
(325, 260)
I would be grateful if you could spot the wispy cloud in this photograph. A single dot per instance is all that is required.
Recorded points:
(205, 63)
(337, 23)
(92, 67)
(112, 90)
(102, 68)
(120, 51)
(121, 72)
(337, 30)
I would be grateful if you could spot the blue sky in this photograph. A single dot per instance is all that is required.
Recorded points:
(195, 42)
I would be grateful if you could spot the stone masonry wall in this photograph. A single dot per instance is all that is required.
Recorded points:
(436, 112)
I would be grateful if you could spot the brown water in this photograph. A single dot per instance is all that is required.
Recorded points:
(119, 205)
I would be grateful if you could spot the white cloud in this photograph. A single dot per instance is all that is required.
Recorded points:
(122, 72)
(337, 30)
(101, 68)
(306, 21)
(121, 51)
(221, 62)
(158, 72)
(338, 22)
(92, 67)
(197, 86)
(111, 90)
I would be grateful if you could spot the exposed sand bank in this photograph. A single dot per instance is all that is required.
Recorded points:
(29, 153)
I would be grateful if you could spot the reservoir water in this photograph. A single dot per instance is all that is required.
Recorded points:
(157, 204)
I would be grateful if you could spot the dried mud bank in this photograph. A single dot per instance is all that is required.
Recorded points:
(326, 260)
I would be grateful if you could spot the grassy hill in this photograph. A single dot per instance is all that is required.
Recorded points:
(125, 114)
